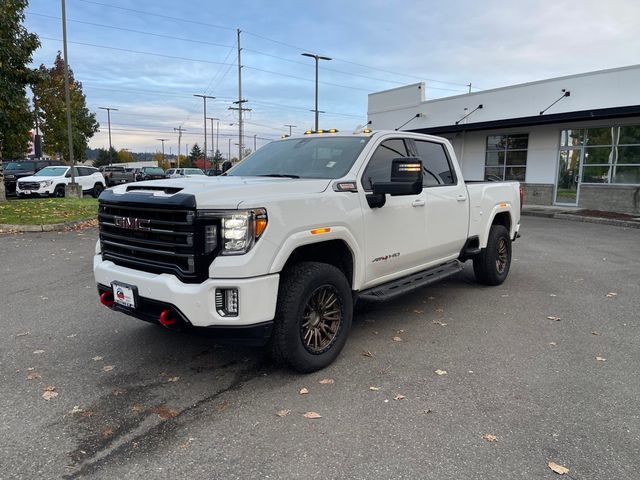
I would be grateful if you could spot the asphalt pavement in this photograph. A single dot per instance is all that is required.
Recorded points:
(131, 400)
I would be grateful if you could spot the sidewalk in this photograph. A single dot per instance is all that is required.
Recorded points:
(582, 215)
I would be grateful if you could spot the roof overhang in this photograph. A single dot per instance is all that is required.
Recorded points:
(583, 115)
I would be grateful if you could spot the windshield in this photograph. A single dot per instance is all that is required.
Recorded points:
(154, 171)
(52, 172)
(19, 166)
(193, 171)
(314, 157)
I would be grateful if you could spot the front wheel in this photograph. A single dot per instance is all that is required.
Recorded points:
(491, 265)
(313, 316)
(59, 191)
(97, 190)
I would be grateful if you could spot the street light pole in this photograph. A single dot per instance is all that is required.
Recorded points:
(179, 130)
(67, 98)
(204, 98)
(217, 130)
(109, 109)
(317, 59)
(162, 140)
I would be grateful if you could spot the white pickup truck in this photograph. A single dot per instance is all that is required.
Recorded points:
(277, 251)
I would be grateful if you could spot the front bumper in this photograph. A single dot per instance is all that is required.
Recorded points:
(257, 296)
(42, 191)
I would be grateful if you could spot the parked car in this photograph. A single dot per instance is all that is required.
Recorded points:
(108, 171)
(212, 172)
(14, 170)
(51, 181)
(183, 172)
(276, 251)
(150, 173)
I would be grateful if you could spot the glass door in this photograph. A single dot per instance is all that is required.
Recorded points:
(568, 179)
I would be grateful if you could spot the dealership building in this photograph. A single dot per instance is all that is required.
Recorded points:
(572, 141)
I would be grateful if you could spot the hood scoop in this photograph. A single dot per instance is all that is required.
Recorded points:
(152, 188)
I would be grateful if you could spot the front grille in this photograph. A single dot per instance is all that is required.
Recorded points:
(29, 185)
(153, 235)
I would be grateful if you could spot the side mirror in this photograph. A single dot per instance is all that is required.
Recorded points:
(406, 178)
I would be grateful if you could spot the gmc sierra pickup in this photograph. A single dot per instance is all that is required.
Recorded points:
(277, 250)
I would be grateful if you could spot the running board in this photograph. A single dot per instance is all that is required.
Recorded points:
(403, 285)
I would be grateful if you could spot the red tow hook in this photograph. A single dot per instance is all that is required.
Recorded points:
(106, 299)
(167, 318)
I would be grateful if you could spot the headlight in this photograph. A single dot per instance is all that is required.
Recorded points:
(239, 229)
(46, 183)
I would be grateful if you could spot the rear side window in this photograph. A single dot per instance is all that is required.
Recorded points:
(437, 168)
(379, 167)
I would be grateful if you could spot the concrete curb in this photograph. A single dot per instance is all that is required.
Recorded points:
(581, 218)
(54, 227)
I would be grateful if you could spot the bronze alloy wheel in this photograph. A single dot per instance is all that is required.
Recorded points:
(502, 257)
(321, 319)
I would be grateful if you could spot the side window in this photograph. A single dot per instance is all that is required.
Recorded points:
(379, 167)
(437, 168)
(83, 172)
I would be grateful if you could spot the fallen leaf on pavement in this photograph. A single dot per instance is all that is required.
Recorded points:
(116, 392)
(327, 381)
(374, 389)
(107, 433)
(439, 310)
(438, 322)
(97, 359)
(553, 344)
(173, 379)
(418, 311)
(164, 412)
(75, 409)
(283, 413)
(559, 469)
(107, 368)
(553, 295)
(72, 335)
(396, 339)
(304, 391)
(312, 415)
(612, 294)
(552, 317)
(49, 393)
(33, 375)
(38, 352)
(440, 372)
(595, 333)
(23, 334)
(137, 408)
(601, 359)
(399, 396)
(489, 437)
(367, 353)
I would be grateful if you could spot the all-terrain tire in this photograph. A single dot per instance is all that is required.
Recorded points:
(491, 265)
(313, 316)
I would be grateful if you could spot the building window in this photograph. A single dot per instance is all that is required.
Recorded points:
(608, 154)
(506, 157)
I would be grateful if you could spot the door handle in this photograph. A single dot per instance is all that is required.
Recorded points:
(461, 198)
(418, 203)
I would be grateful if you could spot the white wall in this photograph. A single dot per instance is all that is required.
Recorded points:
(607, 88)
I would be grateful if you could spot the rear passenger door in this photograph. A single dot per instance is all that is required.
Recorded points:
(84, 178)
(447, 208)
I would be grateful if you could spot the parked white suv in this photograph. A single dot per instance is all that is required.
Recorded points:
(183, 172)
(50, 181)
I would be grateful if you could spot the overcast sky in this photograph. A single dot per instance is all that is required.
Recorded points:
(189, 47)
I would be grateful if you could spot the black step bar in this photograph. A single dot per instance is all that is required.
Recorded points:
(403, 285)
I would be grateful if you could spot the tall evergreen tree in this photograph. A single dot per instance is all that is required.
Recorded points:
(195, 153)
(50, 100)
(16, 49)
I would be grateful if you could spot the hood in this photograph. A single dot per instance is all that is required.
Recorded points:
(33, 178)
(229, 192)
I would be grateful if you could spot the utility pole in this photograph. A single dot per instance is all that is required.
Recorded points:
(469, 85)
(109, 109)
(204, 98)
(254, 142)
(217, 133)
(290, 127)
(162, 140)
(179, 130)
(240, 101)
(75, 190)
(229, 151)
(317, 59)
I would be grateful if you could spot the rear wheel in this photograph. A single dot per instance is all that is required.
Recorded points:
(491, 266)
(97, 190)
(59, 191)
(313, 316)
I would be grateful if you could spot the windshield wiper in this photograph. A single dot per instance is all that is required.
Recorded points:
(279, 175)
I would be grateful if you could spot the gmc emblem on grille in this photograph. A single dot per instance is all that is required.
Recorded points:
(131, 223)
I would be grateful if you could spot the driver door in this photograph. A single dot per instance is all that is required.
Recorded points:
(395, 233)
